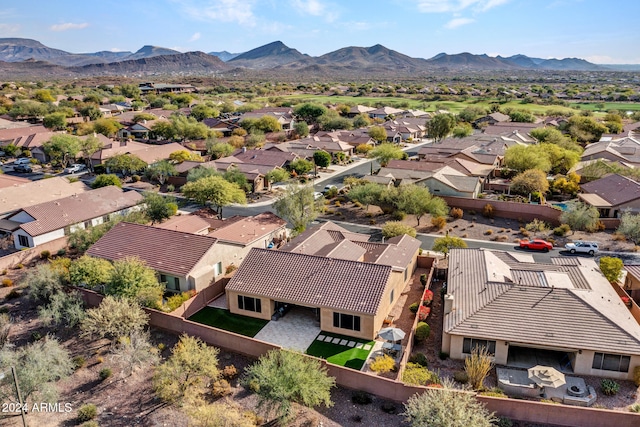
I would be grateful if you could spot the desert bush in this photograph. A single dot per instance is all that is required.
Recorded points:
(609, 387)
(105, 373)
(361, 398)
(414, 307)
(635, 408)
(87, 412)
(79, 362)
(398, 215)
(503, 422)
(7, 283)
(92, 423)
(494, 392)
(229, 372)
(598, 227)
(45, 255)
(524, 232)
(636, 375)
(419, 375)
(162, 346)
(135, 178)
(477, 366)
(419, 358)
(423, 330)
(488, 211)
(461, 377)
(443, 355)
(438, 222)
(175, 301)
(221, 388)
(488, 232)
(561, 230)
(382, 364)
(456, 213)
(618, 237)
(13, 294)
(19, 266)
(536, 225)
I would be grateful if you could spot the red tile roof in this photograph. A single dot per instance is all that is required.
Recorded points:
(249, 229)
(312, 281)
(615, 189)
(78, 208)
(168, 251)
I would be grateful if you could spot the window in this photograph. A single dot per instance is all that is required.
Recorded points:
(23, 240)
(249, 304)
(217, 268)
(470, 343)
(346, 321)
(105, 218)
(88, 224)
(67, 230)
(611, 362)
(172, 283)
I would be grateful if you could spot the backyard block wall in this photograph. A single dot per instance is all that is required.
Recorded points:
(512, 210)
(26, 255)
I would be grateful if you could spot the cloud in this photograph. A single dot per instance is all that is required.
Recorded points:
(315, 8)
(195, 37)
(449, 6)
(68, 26)
(238, 11)
(458, 22)
(9, 28)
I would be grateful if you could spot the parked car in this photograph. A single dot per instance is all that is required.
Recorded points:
(22, 161)
(581, 247)
(536, 244)
(22, 168)
(76, 167)
(317, 195)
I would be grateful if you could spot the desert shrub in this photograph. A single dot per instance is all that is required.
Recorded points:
(382, 364)
(175, 301)
(221, 388)
(456, 213)
(92, 423)
(419, 358)
(398, 215)
(389, 408)
(561, 230)
(636, 375)
(419, 375)
(477, 366)
(494, 392)
(460, 377)
(360, 397)
(488, 211)
(414, 307)
(78, 362)
(635, 408)
(45, 255)
(488, 232)
(135, 178)
(618, 237)
(105, 373)
(7, 283)
(503, 422)
(13, 294)
(443, 355)
(524, 232)
(229, 372)
(87, 412)
(536, 225)
(4, 272)
(438, 222)
(162, 346)
(423, 330)
(609, 387)
(19, 266)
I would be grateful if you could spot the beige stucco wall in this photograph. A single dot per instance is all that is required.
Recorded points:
(268, 306)
(584, 361)
(455, 348)
(367, 324)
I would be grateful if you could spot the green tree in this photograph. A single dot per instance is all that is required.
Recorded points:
(38, 366)
(310, 112)
(283, 377)
(143, 117)
(114, 318)
(203, 111)
(277, 175)
(88, 147)
(126, 164)
(184, 376)
(378, 133)
(64, 310)
(301, 166)
(322, 159)
(446, 243)
(386, 152)
(367, 194)
(132, 278)
(55, 121)
(446, 407)
(268, 124)
(630, 227)
(417, 200)
(298, 206)
(160, 171)
(200, 172)
(462, 130)
(158, 208)
(580, 216)
(90, 111)
(397, 228)
(334, 123)
(43, 95)
(440, 126)
(361, 121)
(530, 181)
(235, 176)
(255, 139)
(219, 149)
(107, 127)
(104, 180)
(522, 158)
(214, 190)
(522, 116)
(184, 156)
(43, 283)
(611, 268)
(585, 129)
(90, 271)
(130, 91)
(164, 129)
(62, 148)
(471, 113)
(302, 129)
(134, 352)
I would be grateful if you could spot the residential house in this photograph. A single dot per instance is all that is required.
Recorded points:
(186, 224)
(166, 88)
(484, 149)
(352, 137)
(255, 174)
(284, 115)
(149, 153)
(359, 109)
(625, 150)
(349, 283)
(44, 222)
(491, 119)
(224, 126)
(513, 130)
(612, 195)
(27, 138)
(566, 313)
(385, 112)
(405, 129)
(183, 261)
(632, 282)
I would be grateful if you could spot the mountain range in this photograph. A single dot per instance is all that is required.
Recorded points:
(24, 57)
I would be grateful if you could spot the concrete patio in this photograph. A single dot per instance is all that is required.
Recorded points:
(296, 330)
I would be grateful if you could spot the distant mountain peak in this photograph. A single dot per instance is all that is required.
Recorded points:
(267, 56)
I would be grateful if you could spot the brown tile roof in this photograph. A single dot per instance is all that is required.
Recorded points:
(615, 189)
(249, 229)
(168, 251)
(23, 194)
(260, 157)
(186, 224)
(75, 209)
(313, 239)
(312, 281)
(11, 181)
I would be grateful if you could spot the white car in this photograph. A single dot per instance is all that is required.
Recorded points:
(76, 167)
(581, 247)
(22, 161)
(317, 195)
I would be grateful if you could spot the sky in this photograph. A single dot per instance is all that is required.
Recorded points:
(598, 31)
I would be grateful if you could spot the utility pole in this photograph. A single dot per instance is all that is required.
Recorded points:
(15, 380)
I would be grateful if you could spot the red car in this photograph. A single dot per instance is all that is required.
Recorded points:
(536, 244)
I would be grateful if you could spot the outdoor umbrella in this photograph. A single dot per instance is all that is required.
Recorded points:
(546, 376)
(391, 334)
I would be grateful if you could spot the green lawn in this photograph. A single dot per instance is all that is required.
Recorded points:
(342, 355)
(223, 319)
